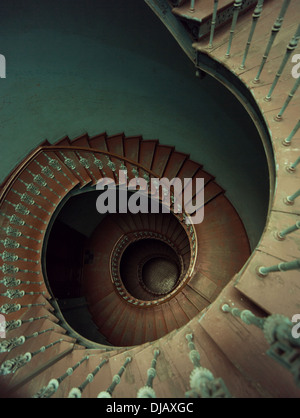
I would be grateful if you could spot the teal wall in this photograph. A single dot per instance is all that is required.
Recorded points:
(76, 66)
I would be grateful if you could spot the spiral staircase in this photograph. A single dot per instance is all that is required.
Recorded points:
(179, 306)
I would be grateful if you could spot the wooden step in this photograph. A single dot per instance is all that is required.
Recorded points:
(201, 16)
(40, 361)
(99, 142)
(147, 150)
(65, 141)
(79, 171)
(223, 246)
(132, 147)
(115, 144)
(81, 141)
(233, 337)
(195, 298)
(160, 159)
(174, 165)
(107, 318)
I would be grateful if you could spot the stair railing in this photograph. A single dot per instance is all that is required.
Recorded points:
(147, 391)
(202, 382)
(280, 334)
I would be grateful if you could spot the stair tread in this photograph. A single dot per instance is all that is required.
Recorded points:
(81, 141)
(203, 9)
(132, 147)
(147, 150)
(272, 292)
(161, 158)
(115, 144)
(99, 142)
(230, 334)
(175, 163)
(223, 242)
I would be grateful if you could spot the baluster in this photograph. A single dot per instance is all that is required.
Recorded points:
(17, 323)
(256, 15)
(192, 6)
(56, 166)
(38, 179)
(213, 24)
(9, 269)
(112, 166)
(277, 329)
(202, 382)
(287, 141)
(77, 392)
(285, 266)
(275, 29)
(53, 385)
(292, 167)
(31, 188)
(99, 164)
(290, 200)
(8, 308)
(6, 256)
(8, 345)
(289, 98)
(12, 244)
(25, 198)
(15, 294)
(236, 9)
(22, 210)
(13, 232)
(14, 364)
(281, 235)
(290, 48)
(13, 282)
(147, 391)
(72, 166)
(85, 163)
(49, 173)
(246, 316)
(116, 380)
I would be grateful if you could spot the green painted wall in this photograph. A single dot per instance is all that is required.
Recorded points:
(76, 66)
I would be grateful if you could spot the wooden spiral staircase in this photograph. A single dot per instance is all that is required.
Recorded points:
(216, 265)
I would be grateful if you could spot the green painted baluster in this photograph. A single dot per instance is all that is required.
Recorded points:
(292, 167)
(53, 385)
(213, 23)
(192, 6)
(256, 15)
(289, 98)
(116, 380)
(275, 29)
(281, 235)
(17, 323)
(290, 48)
(14, 364)
(246, 316)
(278, 331)
(287, 141)
(8, 345)
(202, 381)
(147, 391)
(285, 266)
(236, 9)
(290, 200)
(77, 392)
